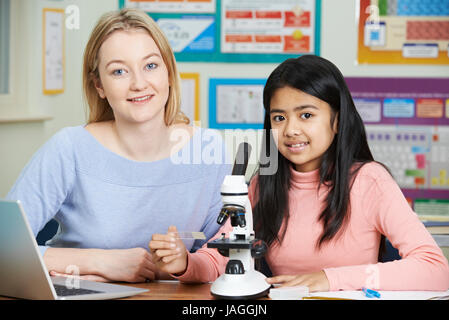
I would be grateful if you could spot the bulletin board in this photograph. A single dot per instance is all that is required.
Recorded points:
(237, 30)
(403, 31)
(407, 125)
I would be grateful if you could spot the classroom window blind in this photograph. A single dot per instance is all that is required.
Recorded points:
(5, 31)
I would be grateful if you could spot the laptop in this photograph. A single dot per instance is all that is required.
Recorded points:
(23, 273)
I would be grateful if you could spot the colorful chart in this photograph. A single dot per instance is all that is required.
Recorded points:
(233, 31)
(407, 125)
(403, 31)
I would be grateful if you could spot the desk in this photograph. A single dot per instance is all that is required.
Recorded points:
(165, 290)
(175, 290)
(171, 290)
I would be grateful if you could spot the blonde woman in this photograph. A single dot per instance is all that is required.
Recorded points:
(112, 183)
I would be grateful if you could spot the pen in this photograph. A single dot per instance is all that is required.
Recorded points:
(371, 293)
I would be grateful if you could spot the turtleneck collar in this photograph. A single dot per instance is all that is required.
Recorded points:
(305, 180)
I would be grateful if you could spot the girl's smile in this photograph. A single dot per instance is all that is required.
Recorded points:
(296, 147)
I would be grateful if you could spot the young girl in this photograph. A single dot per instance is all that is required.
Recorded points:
(114, 182)
(324, 212)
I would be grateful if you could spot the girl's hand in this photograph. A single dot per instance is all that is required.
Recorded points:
(168, 253)
(315, 281)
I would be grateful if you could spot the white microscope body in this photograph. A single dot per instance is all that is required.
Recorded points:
(241, 280)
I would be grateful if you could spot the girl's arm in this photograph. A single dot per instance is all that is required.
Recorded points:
(206, 265)
(171, 256)
(201, 264)
(423, 265)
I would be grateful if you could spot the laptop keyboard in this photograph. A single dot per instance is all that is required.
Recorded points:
(63, 291)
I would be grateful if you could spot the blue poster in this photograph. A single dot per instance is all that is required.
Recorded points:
(189, 33)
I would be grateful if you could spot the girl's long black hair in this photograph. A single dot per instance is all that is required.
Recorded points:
(347, 153)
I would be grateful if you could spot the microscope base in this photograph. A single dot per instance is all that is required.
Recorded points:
(252, 297)
(250, 285)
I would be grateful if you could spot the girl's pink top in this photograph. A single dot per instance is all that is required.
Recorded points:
(350, 260)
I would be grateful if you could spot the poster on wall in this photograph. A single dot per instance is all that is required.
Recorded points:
(266, 26)
(403, 31)
(189, 34)
(183, 6)
(53, 51)
(190, 96)
(407, 126)
(236, 103)
(237, 30)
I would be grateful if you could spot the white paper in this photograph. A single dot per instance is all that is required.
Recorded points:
(188, 98)
(384, 295)
(173, 6)
(240, 104)
(54, 54)
(369, 109)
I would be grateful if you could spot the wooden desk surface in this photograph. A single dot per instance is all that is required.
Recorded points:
(171, 290)
(167, 290)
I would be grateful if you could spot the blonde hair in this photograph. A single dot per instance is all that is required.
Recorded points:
(128, 19)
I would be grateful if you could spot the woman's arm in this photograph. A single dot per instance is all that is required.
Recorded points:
(130, 265)
(42, 187)
(46, 182)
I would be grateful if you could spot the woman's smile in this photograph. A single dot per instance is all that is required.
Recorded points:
(140, 100)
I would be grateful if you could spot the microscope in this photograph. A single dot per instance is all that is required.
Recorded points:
(240, 280)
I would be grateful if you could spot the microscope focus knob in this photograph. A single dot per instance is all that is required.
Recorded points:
(235, 267)
(224, 252)
(258, 249)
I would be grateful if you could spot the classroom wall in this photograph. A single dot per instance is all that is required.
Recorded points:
(18, 141)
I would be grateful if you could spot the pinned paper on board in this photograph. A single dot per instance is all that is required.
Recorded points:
(178, 6)
(190, 95)
(268, 27)
(236, 103)
(243, 31)
(53, 51)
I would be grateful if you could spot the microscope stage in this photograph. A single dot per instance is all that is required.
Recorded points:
(228, 244)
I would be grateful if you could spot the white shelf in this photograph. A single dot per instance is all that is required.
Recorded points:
(20, 119)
